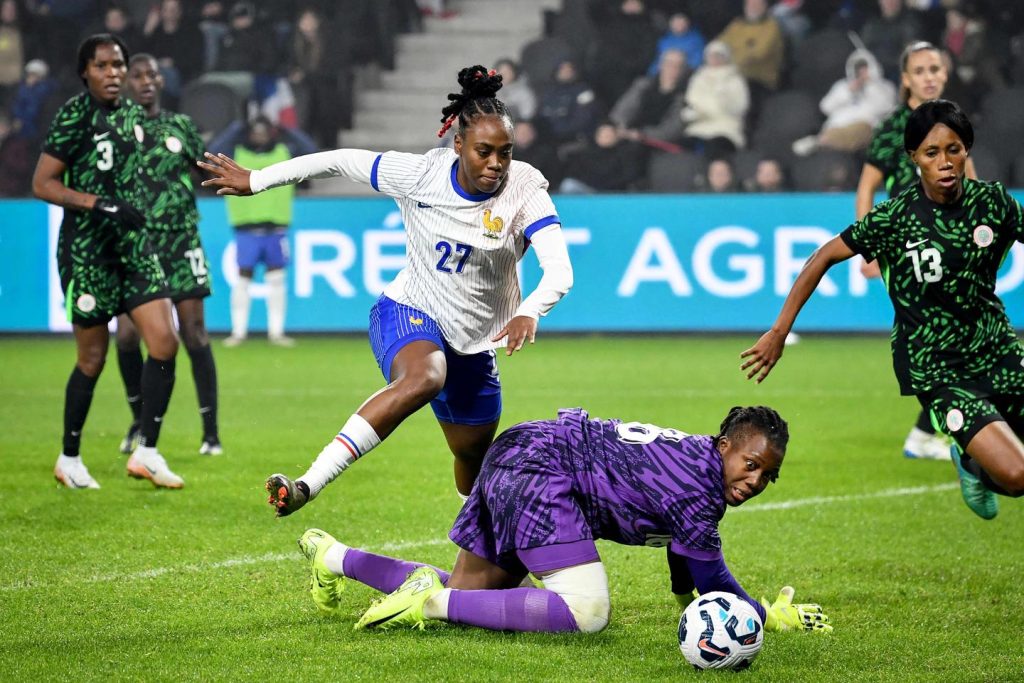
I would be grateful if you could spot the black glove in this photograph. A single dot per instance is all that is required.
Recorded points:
(117, 210)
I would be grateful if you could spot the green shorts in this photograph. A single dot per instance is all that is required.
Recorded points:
(101, 286)
(184, 262)
(962, 410)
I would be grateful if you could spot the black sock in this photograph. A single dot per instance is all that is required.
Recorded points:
(130, 362)
(77, 399)
(924, 422)
(204, 372)
(157, 383)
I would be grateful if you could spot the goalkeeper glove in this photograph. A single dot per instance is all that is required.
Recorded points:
(122, 212)
(783, 615)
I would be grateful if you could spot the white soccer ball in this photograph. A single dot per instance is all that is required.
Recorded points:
(720, 630)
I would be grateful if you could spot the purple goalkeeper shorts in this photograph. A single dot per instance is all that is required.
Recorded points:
(521, 514)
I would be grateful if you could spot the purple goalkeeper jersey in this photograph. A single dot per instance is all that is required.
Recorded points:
(639, 484)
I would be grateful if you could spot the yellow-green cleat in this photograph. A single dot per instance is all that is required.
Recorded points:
(979, 499)
(403, 607)
(324, 585)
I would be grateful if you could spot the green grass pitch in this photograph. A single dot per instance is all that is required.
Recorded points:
(130, 583)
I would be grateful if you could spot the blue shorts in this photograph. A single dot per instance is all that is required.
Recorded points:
(270, 249)
(472, 391)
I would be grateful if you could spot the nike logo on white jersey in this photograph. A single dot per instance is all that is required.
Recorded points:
(99, 136)
(911, 245)
(421, 205)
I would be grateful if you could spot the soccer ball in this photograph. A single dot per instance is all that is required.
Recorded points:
(720, 630)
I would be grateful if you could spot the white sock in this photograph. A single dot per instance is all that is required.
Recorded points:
(334, 558)
(276, 301)
(144, 451)
(355, 440)
(240, 307)
(436, 606)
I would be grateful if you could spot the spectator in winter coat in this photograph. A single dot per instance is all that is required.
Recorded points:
(854, 106)
(717, 100)
(650, 109)
(606, 164)
(568, 107)
(516, 92)
(757, 45)
(682, 35)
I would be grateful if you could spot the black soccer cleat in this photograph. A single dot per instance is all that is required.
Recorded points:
(285, 495)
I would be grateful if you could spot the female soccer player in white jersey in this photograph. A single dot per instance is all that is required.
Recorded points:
(470, 214)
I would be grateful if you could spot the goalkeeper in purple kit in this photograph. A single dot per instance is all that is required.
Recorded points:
(546, 492)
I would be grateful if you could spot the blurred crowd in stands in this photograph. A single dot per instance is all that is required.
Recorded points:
(753, 95)
(617, 96)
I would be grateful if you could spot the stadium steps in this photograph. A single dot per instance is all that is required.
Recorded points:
(405, 112)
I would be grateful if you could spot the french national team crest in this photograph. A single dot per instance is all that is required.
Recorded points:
(492, 226)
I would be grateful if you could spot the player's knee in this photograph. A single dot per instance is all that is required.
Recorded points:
(164, 345)
(91, 361)
(590, 612)
(194, 336)
(1014, 482)
(127, 338)
(584, 588)
(127, 343)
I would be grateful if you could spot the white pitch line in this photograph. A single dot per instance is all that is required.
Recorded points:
(818, 500)
(246, 560)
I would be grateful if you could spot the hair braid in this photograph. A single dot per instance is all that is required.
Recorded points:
(760, 418)
(477, 97)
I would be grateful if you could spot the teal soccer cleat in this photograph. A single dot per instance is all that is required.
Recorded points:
(981, 501)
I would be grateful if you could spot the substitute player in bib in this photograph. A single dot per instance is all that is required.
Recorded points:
(172, 147)
(939, 246)
(547, 490)
(922, 77)
(91, 165)
(470, 214)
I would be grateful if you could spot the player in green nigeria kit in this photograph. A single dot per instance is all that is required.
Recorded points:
(939, 245)
(172, 147)
(91, 165)
(923, 77)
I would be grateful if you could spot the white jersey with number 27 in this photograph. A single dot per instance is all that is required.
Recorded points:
(462, 248)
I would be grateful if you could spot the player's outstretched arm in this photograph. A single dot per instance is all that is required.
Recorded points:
(228, 176)
(762, 356)
(783, 615)
(556, 281)
(871, 178)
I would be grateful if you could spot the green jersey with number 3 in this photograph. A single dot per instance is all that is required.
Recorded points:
(101, 147)
(939, 263)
